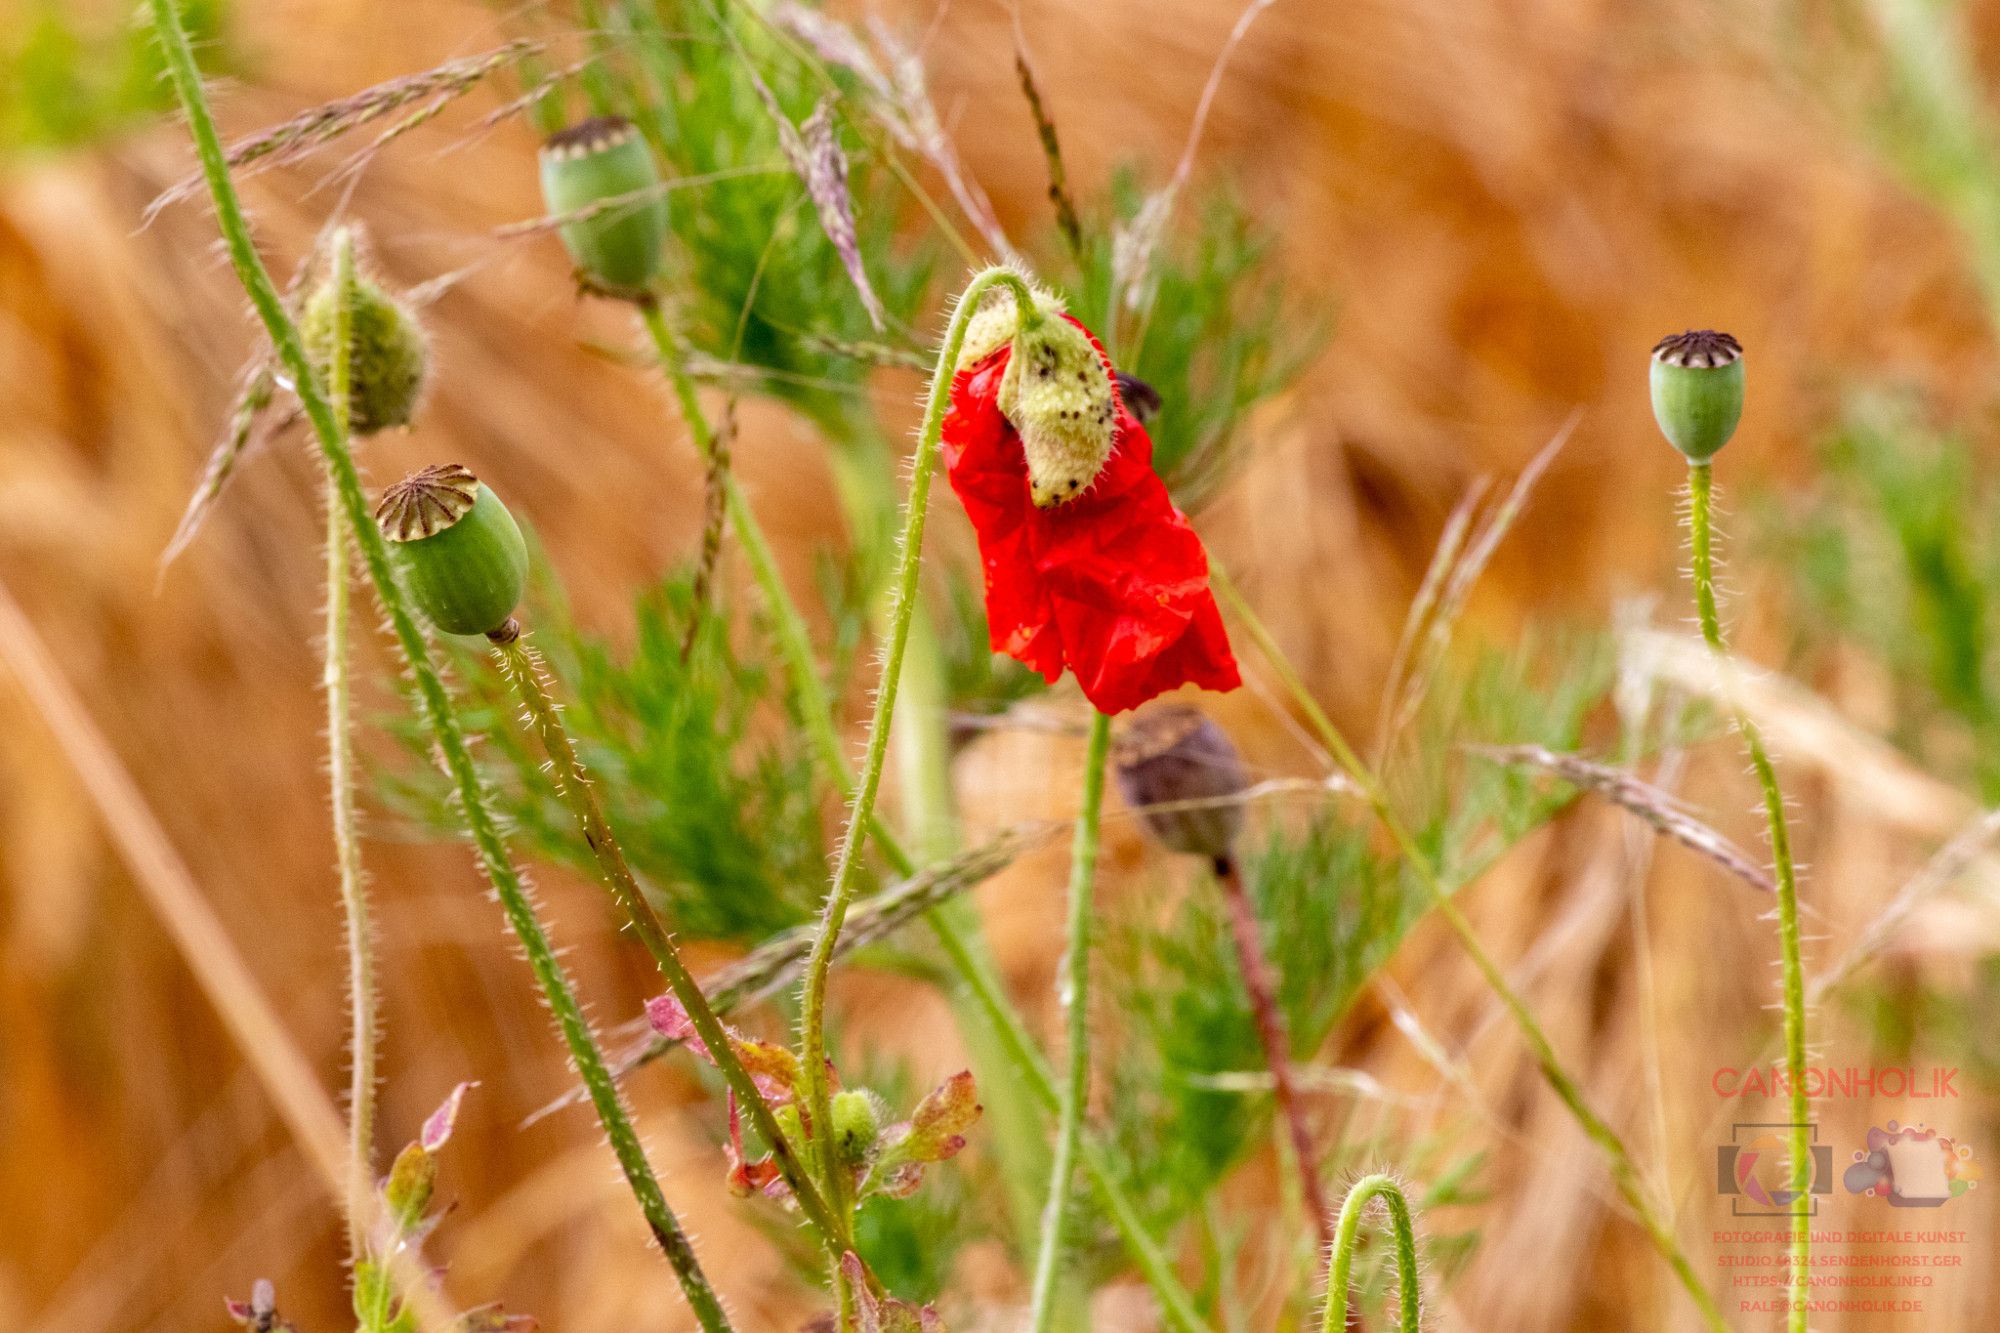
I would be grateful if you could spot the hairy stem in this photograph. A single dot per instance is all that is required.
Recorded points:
(961, 950)
(1409, 1289)
(361, 994)
(1076, 1002)
(1624, 1171)
(1701, 526)
(476, 809)
(812, 1024)
(526, 670)
(1255, 965)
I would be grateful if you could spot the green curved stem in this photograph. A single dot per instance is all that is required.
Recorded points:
(1624, 1170)
(436, 702)
(1701, 525)
(361, 993)
(1409, 1288)
(1076, 1001)
(812, 1025)
(528, 674)
(974, 969)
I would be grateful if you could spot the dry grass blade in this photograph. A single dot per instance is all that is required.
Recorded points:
(169, 888)
(1450, 542)
(260, 382)
(1951, 861)
(295, 138)
(777, 963)
(556, 221)
(715, 512)
(1640, 798)
(1465, 575)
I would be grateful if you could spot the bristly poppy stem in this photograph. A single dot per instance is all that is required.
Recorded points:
(812, 1023)
(1076, 1003)
(1624, 1170)
(1409, 1287)
(361, 994)
(476, 809)
(816, 709)
(522, 666)
(1261, 986)
(1701, 533)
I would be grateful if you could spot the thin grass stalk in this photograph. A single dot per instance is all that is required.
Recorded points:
(1624, 1170)
(961, 950)
(476, 810)
(1409, 1288)
(525, 669)
(812, 1026)
(361, 993)
(1262, 989)
(1076, 1003)
(1701, 531)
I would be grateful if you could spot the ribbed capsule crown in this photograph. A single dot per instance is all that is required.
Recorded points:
(600, 175)
(1182, 774)
(463, 558)
(1697, 386)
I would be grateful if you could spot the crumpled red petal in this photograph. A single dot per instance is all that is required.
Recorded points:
(1112, 585)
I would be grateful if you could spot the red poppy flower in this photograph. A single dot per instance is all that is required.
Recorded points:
(1112, 584)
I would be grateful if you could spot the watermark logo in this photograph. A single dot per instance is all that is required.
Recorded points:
(1912, 1166)
(1754, 1171)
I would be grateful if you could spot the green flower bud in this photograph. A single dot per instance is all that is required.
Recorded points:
(790, 1124)
(603, 169)
(1698, 391)
(1058, 393)
(387, 353)
(462, 555)
(857, 1125)
(1171, 754)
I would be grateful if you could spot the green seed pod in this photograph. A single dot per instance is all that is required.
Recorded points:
(1698, 391)
(1059, 395)
(387, 353)
(1172, 753)
(857, 1125)
(462, 555)
(603, 169)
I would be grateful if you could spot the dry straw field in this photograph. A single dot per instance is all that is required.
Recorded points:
(1473, 219)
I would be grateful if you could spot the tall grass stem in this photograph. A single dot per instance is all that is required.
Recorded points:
(476, 810)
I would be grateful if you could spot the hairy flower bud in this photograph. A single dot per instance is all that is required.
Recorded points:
(1058, 393)
(1171, 754)
(1698, 391)
(602, 170)
(857, 1125)
(387, 354)
(462, 554)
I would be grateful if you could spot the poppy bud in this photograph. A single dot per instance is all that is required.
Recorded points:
(857, 1125)
(603, 169)
(1698, 391)
(386, 352)
(1058, 393)
(462, 555)
(1172, 754)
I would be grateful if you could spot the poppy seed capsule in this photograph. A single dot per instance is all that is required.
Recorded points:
(602, 168)
(462, 555)
(386, 353)
(1698, 391)
(1058, 394)
(1173, 754)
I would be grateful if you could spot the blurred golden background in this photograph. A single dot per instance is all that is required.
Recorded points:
(1500, 203)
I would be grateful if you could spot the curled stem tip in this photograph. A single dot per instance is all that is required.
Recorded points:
(1347, 1235)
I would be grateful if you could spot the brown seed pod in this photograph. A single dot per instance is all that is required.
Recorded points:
(1171, 755)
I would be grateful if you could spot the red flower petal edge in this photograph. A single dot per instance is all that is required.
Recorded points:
(1112, 585)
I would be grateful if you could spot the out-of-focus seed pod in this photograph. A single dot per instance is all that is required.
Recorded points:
(857, 1125)
(462, 554)
(601, 168)
(387, 356)
(1171, 754)
(1698, 391)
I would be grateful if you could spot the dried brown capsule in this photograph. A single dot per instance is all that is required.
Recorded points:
(1180, 772)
